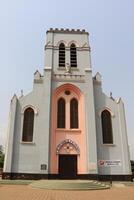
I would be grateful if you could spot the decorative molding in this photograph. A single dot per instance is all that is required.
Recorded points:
(61, 41)
(72, 31)
(68, 130)
(68, 141)
(27, 143)
(48, 68)
(69, 78)
(48, 47)
(72, 68)
(67, 86)
(83, 48)
(79, 48)
(106, 108)
(108, 145)
(88, 69)
(73, 42)
(29, 106)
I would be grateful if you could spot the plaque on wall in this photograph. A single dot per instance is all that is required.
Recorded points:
(43, 166)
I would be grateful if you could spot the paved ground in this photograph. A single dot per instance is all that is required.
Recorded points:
(19, 192)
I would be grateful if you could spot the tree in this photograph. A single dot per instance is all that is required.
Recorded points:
(1, 156)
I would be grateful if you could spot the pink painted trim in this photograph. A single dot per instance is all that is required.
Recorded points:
(67, 86)
(76, 135)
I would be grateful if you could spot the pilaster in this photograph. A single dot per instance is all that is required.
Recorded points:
(90, 124)
(10, 135)
(124, 140)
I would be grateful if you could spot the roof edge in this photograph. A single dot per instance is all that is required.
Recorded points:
(67, 30)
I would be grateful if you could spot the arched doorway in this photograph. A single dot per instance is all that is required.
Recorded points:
(68, 152)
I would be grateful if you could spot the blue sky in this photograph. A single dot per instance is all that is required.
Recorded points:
(23, 24)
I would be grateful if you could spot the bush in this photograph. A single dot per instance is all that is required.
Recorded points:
(1, 160)
(1, 157)
(132, 165)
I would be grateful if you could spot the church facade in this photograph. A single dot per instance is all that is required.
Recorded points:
(67, 127)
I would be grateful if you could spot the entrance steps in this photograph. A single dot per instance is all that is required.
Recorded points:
(69, 185)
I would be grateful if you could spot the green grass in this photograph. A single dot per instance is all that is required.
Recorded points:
(15, 182)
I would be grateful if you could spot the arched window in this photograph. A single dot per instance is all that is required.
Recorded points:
(74, 113)
(61, 55)
(106, 127)
(73, 55)
(61, 113)
(28, 124)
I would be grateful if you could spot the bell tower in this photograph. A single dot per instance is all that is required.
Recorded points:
(68, 62)
(67, 51)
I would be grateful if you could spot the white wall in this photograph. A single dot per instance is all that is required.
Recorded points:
(119, 149)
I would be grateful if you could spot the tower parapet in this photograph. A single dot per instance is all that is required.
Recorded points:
(67, 30)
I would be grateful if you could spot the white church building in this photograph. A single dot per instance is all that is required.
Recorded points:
(66, 127)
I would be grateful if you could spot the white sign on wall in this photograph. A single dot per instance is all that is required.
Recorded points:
(109, 163)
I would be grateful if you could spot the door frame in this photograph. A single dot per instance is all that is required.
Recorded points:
(71, 176)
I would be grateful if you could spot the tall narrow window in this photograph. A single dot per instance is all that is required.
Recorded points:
(73, 55)
(61, 113)
(62, 55)
(28, 124)
(74, 113)
(106, 127)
